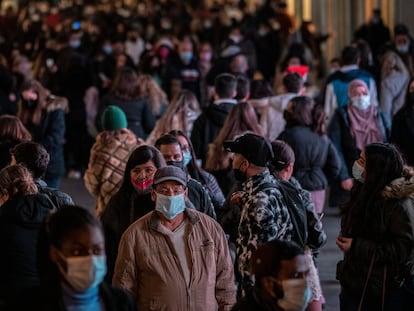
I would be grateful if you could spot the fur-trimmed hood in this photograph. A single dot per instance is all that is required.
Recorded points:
(401, 188)
(55, 102)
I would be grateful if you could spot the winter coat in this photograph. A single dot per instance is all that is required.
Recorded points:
(139, 115)
(107, 163)
(207, 126)
(58, 198)
(393, 90)
(339, 132)
(272, 120)
(316, 157)
(21, 219)
(264, 217)
(147, 260)
(386, 229)
(256, 300)
(50, 132)
(402, 133)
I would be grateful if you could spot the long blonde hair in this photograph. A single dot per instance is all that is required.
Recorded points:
(392, 62)
(242, 118)
(149, 89)
(178, 111)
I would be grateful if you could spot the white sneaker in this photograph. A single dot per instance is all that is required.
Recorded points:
(73, 174)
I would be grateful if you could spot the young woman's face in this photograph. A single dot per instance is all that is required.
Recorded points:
(143, 172)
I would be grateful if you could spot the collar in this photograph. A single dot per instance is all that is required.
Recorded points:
(225, 100)
(347, 68)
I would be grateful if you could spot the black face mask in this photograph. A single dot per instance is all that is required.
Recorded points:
(30, 103)
(179, 164)
(239, 175)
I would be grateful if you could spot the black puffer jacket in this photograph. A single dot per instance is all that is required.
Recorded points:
(21, 219)
(316, 157)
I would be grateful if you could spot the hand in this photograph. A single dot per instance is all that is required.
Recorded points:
(343, 243)
(347, 184)
(236, 197)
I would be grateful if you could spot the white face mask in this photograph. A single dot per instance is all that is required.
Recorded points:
(296, 295)
(84, 272)
(357, 171)
(361, 102)
(403, 48)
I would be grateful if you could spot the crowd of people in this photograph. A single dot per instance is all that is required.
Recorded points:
(212, 138)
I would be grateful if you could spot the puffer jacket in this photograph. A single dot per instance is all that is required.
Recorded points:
(389, 233)
(147, 261)
(107, 162)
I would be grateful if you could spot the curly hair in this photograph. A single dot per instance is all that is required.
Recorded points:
(17, 180)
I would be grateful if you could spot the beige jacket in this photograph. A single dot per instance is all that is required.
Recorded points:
(107, 162)
(148, 267)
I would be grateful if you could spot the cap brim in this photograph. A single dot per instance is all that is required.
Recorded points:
(231, 146)
(170, 178)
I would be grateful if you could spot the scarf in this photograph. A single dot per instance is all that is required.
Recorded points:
(364, 126)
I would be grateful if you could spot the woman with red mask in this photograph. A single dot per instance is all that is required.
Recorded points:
(132, 201)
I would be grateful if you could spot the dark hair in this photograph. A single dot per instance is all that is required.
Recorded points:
(383, 164)
(125, 85)
(167, 139)
(408, 103)
(283, 155)
(32, 155)
(225, 85)
(260, 89)
(266, 260)
(293, 82)
(33, 114)
(305, 112)
(140, 155)
(11, 128)
(243, 87)
(350, 55)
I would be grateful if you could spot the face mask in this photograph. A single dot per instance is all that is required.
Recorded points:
(262, 32)
(403, 48)
(170, 206)
(164, 52)
(141, 187)
(186, 57)
(296, 295)
(179, 164)
(357, 171)
(75, 44)
(239, 175)
(206, 56)
(236, 39)
(186, 158)
(107, 49)
(84, 272)
(361, 102)
(31, 103)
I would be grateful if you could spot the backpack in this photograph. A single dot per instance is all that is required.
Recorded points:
(297, 211)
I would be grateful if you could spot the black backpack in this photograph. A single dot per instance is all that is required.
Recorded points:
(297, 211)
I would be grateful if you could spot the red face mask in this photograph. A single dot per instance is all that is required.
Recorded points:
(141, 185)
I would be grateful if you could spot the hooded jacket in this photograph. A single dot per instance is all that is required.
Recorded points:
(389, 233)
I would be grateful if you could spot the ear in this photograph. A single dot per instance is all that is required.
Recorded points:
(153, 195)
(53, 254)
(186, 194)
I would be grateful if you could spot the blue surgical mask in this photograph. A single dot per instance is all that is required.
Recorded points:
(107, 49)
(186, 57)
(84, 272)
(187, 158)
(170, 206)
(296, 295)
(357, 171)
(75, 44)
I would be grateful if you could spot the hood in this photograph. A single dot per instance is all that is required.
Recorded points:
(396, 82)
(28, 210)
(400, 188)
(218, 113)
